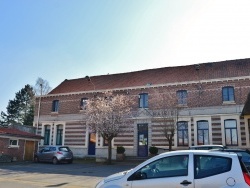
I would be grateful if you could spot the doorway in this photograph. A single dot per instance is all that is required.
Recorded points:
(92, 143)
(142, 140)
(29, 150)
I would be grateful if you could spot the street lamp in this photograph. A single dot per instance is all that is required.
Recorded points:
(39, 106)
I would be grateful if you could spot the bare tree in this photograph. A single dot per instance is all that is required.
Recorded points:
(167, 112)
(108, 115)
(41, 87)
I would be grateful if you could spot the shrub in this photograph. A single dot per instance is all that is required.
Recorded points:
(153, 150)
(120, 149)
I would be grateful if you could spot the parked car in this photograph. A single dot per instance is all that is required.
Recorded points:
(187, 168)
(244, 154)
(54, 154)
(207, 147)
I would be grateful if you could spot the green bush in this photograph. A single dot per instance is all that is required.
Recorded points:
(153, 150)
(120, 149)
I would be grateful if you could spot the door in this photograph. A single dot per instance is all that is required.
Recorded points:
(91, 145)
(29, 150)
(44, 154)
(171, 171)
(142, 140)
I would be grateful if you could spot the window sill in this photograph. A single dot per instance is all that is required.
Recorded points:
(182, 105)
(228, 102)
(13, 146)
(54, 113)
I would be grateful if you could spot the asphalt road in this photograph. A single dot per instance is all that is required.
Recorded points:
(33, 175)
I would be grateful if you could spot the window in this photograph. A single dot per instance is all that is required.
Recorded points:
(227, 94)
(59, 135)
(202, 133)
(55, 106)
(13, 143)
(231, 136)
(182, 97)
(206, 165)
(105, 142)
(173, 166)
(46, 135)
(182, 133)
(46, 149)
(83, 103)
(143, 100)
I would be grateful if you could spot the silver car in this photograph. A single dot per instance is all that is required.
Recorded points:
(189, 169)
(54, 154)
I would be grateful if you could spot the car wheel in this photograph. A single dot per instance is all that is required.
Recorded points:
(54, 160)
(36, 159)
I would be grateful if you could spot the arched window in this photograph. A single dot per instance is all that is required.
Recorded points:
(59, 134)
(231, 136)
(47, 135)
(202, 132)
(182, 133)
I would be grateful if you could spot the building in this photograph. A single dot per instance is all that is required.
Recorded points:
(18, 142)
(211, 95)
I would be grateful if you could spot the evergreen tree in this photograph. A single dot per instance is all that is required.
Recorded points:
(21, 109)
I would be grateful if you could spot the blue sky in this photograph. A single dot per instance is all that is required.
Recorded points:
(67, 39)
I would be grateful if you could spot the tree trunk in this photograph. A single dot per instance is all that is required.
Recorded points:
(109, 151)
(170, 143)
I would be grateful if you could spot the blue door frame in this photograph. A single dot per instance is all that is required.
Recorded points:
(92, 143)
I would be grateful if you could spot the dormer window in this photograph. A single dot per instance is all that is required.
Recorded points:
(143, 100)
(83, 103)
(182, 97)
(55, 105)
(228, 94)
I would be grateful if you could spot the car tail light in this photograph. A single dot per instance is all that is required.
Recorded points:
(247, 178)
(59, 152)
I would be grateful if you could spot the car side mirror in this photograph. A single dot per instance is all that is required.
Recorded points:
(140, 175)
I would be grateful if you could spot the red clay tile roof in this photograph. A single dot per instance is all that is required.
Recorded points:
(215, 70)
(18, 133)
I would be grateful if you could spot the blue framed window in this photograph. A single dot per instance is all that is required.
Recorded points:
(202, 132)
(59, 135)
(143, 100)
(231, 135)
(182, 97)
(228, 93)
(55, 106)
(182, 133)
(46, 135)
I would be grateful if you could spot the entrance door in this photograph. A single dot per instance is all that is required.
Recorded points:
(92, 141)
(29, 150)
(142, 140)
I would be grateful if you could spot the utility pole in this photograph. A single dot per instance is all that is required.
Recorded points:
(39, 106)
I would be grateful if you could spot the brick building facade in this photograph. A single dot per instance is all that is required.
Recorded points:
(211, 96)
(18, 144)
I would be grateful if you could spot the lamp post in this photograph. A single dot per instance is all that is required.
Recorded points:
(39, 106)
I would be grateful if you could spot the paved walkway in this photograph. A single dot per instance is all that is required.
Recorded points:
(79, 174)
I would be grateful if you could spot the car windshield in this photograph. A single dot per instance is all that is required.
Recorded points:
(64, 149)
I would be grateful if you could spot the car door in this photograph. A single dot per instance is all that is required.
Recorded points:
(215, 169)
(171, 171)
(44, 154)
